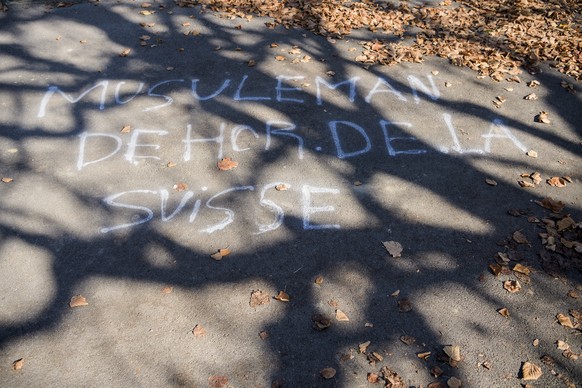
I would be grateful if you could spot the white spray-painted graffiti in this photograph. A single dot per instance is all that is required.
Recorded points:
(395, 140)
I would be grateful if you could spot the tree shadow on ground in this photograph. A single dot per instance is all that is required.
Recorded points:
(445, 259)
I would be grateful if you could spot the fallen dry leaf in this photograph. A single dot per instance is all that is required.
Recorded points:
(78, 301)
(491, 182)
(536, 342)
(364, 346)
(423, 355)
(435, 371)
(526, 184)
(536, 177)
(264, 335)
(404, 305)
(218, 381)
(542, 117)
(395, 293)
(220, 254)
(171, 164)
(393, 379)
(562, 345)
(573, 294)
(373, 378)
(327, 373)
(408, 340)
(495, 268)
(280, 58)
(320, 322)
(553, 205)
(259, 298)
(281, 187)
(125, 52)
(522, 269)
(167, 289)
(531, 96)
(125, 129)
(341, 316)
(453, 351)
(199, 331)
(519, 238)
(512, 286)
(504, 312)
(448, 84)
(282, 296)
(532, 154)
(18, 364)
(227, 164)
(319, 280)
(180, 186)
(565, 320)
(393, 247)
(530, 371)
(251, 63)
(556, 181)
(7, 180)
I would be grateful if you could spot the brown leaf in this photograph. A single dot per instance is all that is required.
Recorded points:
(227, 164)
(565, 320)
(264, 335)
(320, 322)
(547, 360)
(18, 364)
(7, 180)
(220, 254)
(408, 340)
(522, 269)
(437, 384)
(536, 177)
(319, 280)
(341, 316)
(404, 305)
(519, 238)
(327, 373)
(495, 268)
(199, 331)
(78, 301)
(251, 63)
(542, 117)
(556, 181)
(332, 303)
(436, 371)
(167, 289)
(125, 129)
(373, 378)
(504, 312)
(531, 96)
(573, 294)
(280, 58)
(423, 355)
(526, 184)
(393, 247)
(553, 205)
(530, 371)
(281, 187)
(364, 346)
(491, 182)
(125, 52)
(512, 286)
(218, 381)
(259, 298)
(170, 164)
(282, 296)
(180, 186)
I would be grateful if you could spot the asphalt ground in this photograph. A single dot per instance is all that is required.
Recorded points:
(129, 219)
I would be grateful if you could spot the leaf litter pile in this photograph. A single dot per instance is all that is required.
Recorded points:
(493, 37)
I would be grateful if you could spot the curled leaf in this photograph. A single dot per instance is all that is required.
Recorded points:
(364, 346)
(18, 364)
(504, 312)
(565, 320)
(512, 286)
(226, 164)
(282, 296)
(199, 331)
